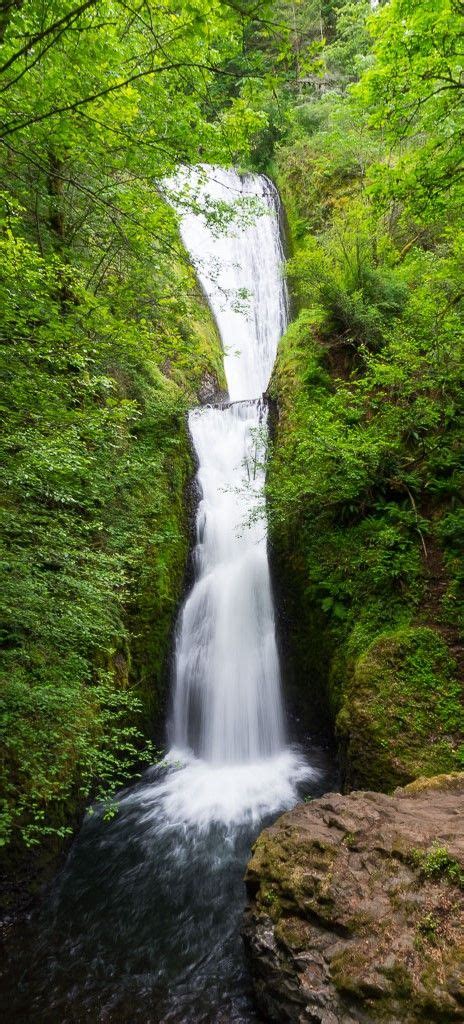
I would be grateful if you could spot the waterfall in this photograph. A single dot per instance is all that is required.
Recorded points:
(240, 270)
(227, 703)
(227, 718)
(227, 700)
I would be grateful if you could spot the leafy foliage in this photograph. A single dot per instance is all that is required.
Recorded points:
(106, 341)
(437, 863)
(94, 465)
(365, 477)
(414, 95)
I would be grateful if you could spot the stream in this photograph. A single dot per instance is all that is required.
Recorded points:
(143, 921)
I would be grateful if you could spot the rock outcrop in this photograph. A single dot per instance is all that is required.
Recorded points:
(356, 908)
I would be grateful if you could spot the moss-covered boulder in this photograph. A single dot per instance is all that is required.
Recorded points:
(356, 909)
(401, 716)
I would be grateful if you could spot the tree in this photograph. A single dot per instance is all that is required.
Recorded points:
(415, 94)
(99, 102)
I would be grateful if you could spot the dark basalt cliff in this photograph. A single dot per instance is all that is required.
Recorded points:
(356, 909)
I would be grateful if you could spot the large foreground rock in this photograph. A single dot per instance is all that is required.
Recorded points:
(356, 908)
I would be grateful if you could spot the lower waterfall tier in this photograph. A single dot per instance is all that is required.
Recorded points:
(227, 705)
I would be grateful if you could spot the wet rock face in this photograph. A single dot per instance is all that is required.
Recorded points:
(356, 909)
(209, 391)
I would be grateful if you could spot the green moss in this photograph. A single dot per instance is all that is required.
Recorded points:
(401, 715)
(448, 781)
(437, 863)
(191, 351)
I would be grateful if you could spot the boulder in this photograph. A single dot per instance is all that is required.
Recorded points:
(356, 909)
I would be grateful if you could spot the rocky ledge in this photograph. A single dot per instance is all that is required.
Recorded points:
(356, 909)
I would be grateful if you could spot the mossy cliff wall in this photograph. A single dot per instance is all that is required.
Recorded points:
(363, 487)
(195, 371)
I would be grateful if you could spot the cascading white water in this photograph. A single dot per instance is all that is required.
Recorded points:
(240, 269)
(227, 704)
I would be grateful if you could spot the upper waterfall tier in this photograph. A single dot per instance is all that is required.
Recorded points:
(240, 269)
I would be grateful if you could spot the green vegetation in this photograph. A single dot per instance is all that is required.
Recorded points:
(365, 478)
(94, 534)
(437, 863)
(107, 342)
(428, 927)
(400, 710)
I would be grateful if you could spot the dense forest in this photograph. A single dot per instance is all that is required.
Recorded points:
(355, 111)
